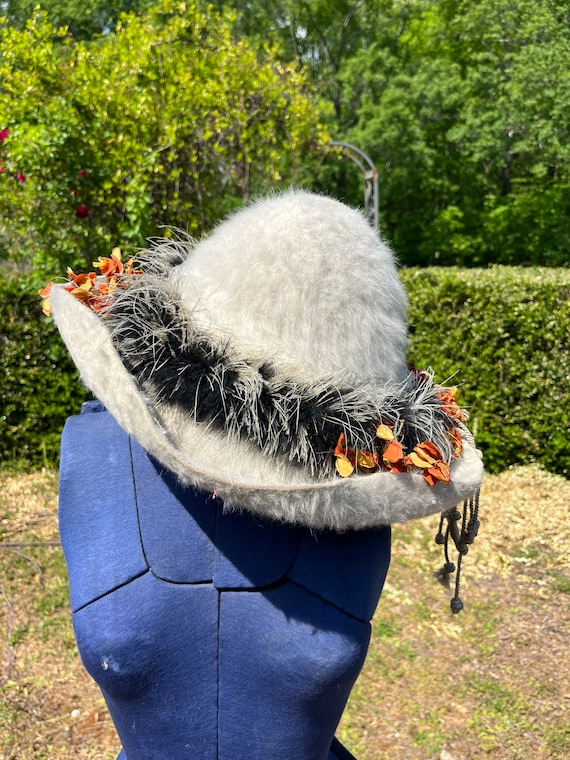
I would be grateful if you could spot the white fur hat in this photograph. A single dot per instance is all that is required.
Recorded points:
(255, 362)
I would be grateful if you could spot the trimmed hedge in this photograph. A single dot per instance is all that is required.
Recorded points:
(39, 385)
(501, 334)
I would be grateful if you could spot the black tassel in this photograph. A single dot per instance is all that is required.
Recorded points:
(462, 538)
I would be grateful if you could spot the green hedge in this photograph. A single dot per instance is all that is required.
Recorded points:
(39, 386)
(501, 334)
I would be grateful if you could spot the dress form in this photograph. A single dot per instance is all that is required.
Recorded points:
(212, 635)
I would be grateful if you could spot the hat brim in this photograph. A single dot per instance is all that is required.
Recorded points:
(238, 473)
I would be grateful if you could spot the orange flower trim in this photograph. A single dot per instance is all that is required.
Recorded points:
(94, 289)
(449, 403)
(389, 455)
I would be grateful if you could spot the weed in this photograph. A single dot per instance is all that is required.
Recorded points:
(560, 584)
(432, 742)
(383, 629)
(558, 739)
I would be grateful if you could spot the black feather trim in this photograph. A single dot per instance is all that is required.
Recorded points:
(175, 364)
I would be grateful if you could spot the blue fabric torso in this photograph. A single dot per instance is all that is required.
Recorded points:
(212, 635)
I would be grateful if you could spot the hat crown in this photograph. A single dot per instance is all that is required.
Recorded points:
(304, 283)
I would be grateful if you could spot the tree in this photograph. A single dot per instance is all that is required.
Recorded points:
(461, 105)
(322, 34)
(467, 120)
(168, 120)
(84, 18)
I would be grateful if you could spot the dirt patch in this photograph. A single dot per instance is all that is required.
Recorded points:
(491, 682)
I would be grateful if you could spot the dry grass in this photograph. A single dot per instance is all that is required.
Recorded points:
(49, 708)
(492, 682)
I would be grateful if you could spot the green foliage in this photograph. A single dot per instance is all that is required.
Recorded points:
(462, 106)
(465, 118)
(167, 121)
(39, 386)
(503, 335)
(183, 112)
(84, 18)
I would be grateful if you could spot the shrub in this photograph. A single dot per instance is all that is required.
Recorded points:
(39, 386)
(502, 335)
(168, 120)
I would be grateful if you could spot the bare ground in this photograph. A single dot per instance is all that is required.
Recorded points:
(492, 682)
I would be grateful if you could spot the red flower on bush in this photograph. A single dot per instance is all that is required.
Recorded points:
(83, 172)
(2, 168)
(81, 212)
(4, 134)
(21, 177)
